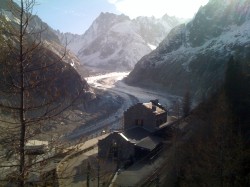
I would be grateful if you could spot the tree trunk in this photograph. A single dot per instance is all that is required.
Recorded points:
(22, 107)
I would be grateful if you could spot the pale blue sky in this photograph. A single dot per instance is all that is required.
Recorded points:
(71, 15)
(76, 16)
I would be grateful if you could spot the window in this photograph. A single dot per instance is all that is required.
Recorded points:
(139, 122)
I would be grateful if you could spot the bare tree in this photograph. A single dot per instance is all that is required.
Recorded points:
(36, 88)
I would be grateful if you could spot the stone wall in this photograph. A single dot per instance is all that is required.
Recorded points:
(148, 119)
(115, 147)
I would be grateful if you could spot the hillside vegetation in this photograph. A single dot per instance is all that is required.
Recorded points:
(214, 149)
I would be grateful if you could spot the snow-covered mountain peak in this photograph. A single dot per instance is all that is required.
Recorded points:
(117, 42)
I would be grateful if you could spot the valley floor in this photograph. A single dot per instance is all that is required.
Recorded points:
(117, 96)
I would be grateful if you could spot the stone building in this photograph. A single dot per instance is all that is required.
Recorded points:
(147, 115)
(115, 146)
(128, 146)
(137, 140)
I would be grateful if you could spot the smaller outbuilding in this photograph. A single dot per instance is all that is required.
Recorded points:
(36, 147)
(128, 146)
(115, 146)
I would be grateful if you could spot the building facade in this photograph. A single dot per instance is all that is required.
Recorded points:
(116, 146)
(147, 115)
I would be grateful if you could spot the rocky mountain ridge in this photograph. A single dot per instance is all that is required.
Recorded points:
(194, 56)
(115, 42)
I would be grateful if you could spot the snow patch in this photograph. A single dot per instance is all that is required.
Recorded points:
(153, 47)
(233, 35)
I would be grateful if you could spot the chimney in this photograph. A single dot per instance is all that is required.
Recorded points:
(155, 102)
(153, 107)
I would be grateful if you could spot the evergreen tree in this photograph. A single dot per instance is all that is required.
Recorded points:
(237, 88)
(186, 104)
(233, 84)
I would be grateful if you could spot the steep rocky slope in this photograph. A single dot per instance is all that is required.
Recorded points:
(194, 56)
(51, 67)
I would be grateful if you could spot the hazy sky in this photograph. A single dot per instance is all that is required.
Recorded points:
(77, 15)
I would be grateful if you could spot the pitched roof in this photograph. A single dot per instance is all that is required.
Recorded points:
(136, 134)
(149, 142)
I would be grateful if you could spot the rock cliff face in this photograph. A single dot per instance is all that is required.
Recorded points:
(116, 43)
(194, 56)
